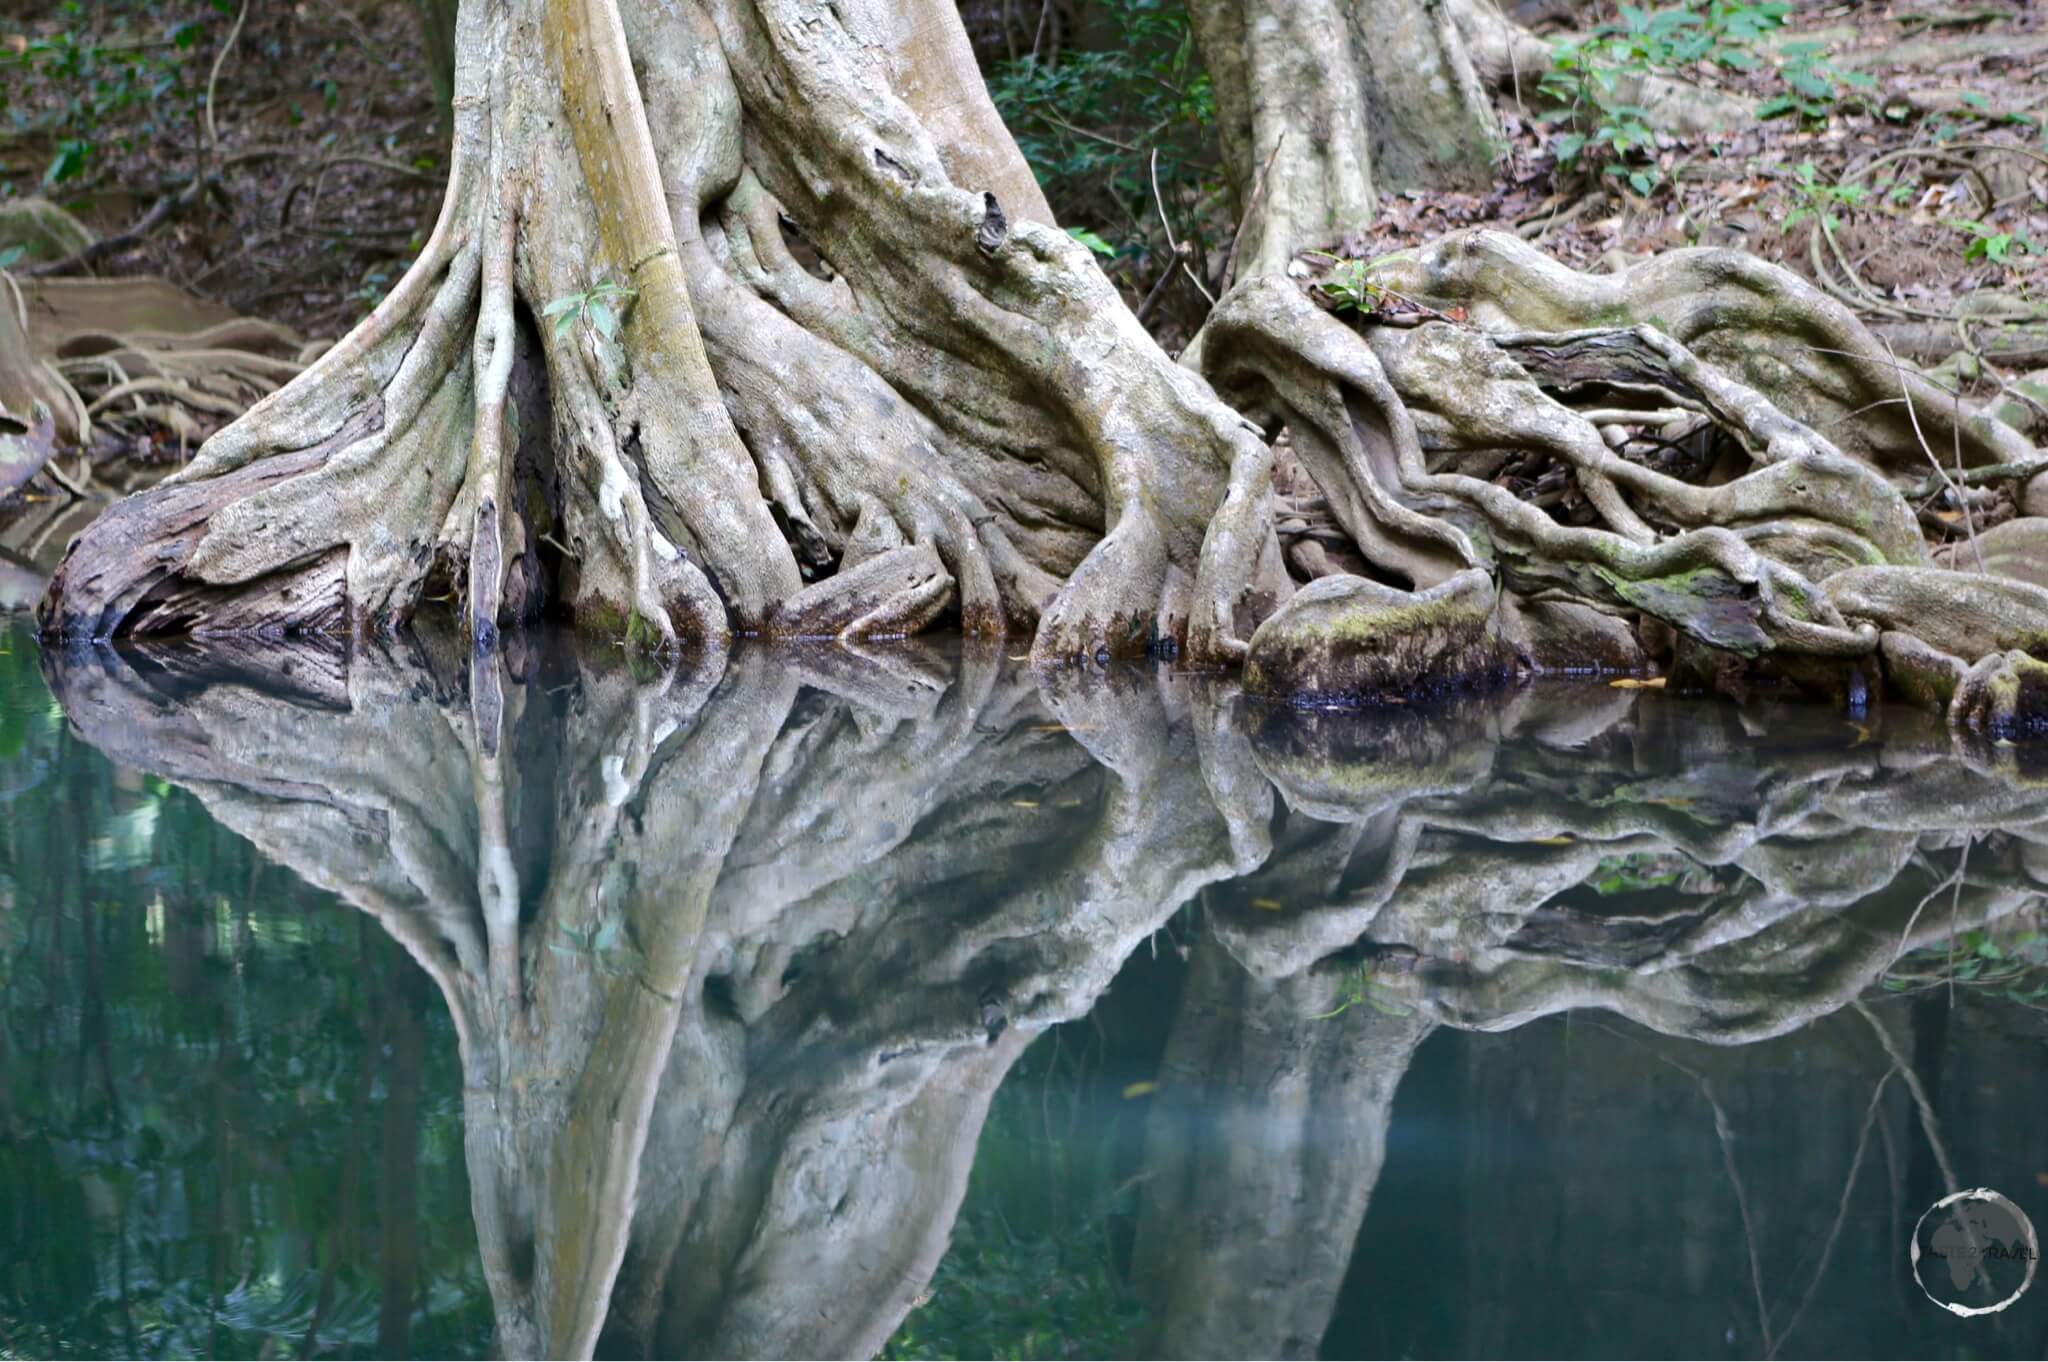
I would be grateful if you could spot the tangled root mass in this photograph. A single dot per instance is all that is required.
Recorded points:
(829, 370)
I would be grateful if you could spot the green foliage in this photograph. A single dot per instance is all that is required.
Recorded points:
(10, 254)
(102, 65)
(602, 307)
(1637, 872)
(1992, 244)
(1817, 199)
(1813, 85)
(1092, 240)
(1090, 121)
(2012, 965)
(1601, 132)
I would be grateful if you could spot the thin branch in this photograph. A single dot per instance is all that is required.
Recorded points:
(1167, 223)
(1251, 206)
(1955, 492)
(213, 79)
(1827, 1250)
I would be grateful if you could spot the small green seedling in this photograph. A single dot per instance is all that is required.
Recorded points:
(1818, 199)
(1347, 286)
(601, 306)
(1988, 243)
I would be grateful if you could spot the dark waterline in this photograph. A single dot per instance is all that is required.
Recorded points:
(828, 1004)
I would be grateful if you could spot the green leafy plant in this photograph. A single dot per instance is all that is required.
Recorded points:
(1604, 131)
(1990, 243)
(602, 307)
(1814, 86)
(1347, 286)
(1593, 82)
(1818, 199)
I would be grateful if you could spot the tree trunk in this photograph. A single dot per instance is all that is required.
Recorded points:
(1322, 102)
(944, 411)
(750, 318)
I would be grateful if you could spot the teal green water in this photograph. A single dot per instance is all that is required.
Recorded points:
(908, 1003)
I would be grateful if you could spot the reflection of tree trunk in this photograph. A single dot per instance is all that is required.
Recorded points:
(755, 1119)
(1262, 1149)
(398, 1162)
(737, 955)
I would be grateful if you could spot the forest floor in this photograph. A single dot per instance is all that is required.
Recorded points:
(1932, 181)
(330, 161)
(1916, 198)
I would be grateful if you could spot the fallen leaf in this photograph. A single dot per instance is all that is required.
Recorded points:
(1268, 905)
(1550, 841)
(1139, 1090)
(1638, 683)
(1023, 803)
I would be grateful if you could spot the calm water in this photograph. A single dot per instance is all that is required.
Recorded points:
(835, 1005)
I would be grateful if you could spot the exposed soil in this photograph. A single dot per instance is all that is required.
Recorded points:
(1953, 87)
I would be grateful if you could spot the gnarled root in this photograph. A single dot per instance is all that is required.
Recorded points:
(1699, 505)
(816, 364)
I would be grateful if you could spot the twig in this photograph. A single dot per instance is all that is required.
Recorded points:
(1726, 1135)
(1079, 131)
(1166, 276)
(1929, 1126)
(99, 250)
(1044, 14)
(1251, 206)
(1167, 223)
(1827, 1250)
(213, 78)
(1955, 492)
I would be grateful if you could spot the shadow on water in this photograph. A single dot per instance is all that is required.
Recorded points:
(740, 960)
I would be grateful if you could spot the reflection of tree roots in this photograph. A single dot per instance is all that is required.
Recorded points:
(738, 951)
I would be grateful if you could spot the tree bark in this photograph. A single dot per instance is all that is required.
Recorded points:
(1323, 103)
(952, 415)
(749, 319)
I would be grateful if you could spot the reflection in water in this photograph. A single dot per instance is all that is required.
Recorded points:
(737, 956)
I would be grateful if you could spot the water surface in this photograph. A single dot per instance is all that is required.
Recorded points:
(907, 1002)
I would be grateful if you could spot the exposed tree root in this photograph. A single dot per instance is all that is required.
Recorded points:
(959, 421)
(855, 391)
(1759, 537)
